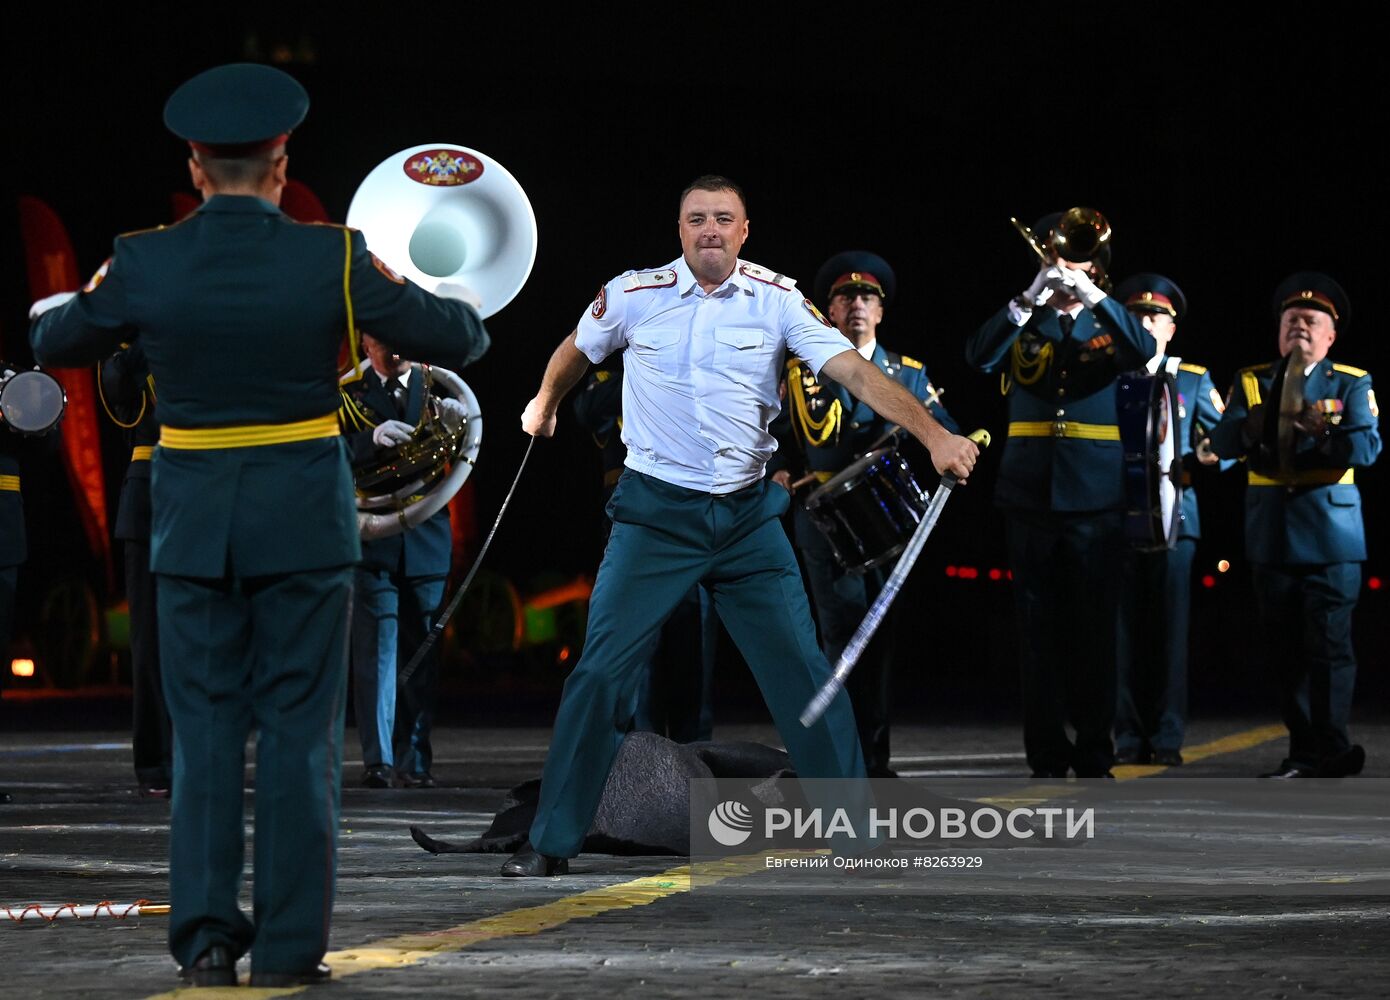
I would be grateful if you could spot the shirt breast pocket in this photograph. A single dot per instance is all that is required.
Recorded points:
(659, 347)
(741, 350)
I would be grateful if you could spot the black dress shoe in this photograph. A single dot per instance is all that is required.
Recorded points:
(1286, 771)
(1137, 755)
(1167, 758)
(1344, 765)
(1043, 773)
(422, 780)
(377, 776)
(531, 863)
(214, 967)
(271, 980)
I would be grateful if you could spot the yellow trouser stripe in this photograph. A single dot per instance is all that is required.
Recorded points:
(247, 435)
(1308, 477)
(1064, 429)
(142, 453)
(10, 483)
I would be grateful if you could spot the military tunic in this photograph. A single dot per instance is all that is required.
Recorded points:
(1306, 541)
(127, 391)
(240, 312)
(821, 430)
(1155, 599)
(1062, 492)
(398, 594)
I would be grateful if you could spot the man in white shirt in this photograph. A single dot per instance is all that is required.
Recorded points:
(705, 338)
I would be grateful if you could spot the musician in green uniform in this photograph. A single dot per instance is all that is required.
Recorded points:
(1058, 349)
(821, 430)
(1304, 424)
(1156, 587)
(128, 395)
(254, 526)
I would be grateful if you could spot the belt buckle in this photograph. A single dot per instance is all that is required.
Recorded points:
(1059, 428)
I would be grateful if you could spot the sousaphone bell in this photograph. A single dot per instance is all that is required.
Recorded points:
(437, 213)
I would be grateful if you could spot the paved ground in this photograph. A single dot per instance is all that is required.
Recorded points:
(408, 923)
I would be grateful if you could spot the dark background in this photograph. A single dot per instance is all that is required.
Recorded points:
(1226, 152)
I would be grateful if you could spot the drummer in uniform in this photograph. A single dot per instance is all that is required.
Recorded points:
(821, 430)
(128, 395)
(1156, 587)
(1304, 424)
(1058, 348)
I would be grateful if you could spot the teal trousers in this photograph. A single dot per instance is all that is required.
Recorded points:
(270, 654)
(665, 540)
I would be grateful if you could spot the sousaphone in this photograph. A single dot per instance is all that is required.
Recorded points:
(437, 213)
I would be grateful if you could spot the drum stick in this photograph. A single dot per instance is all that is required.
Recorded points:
(850, 657)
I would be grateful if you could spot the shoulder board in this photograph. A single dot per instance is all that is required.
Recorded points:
(1257, 368)
(649, 279)
(155, 229)
(767, 277)
(326, 225)
(907, 362)
(1194, 369)
(1351, 370)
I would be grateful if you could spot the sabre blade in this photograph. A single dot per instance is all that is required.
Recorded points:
(817, 705)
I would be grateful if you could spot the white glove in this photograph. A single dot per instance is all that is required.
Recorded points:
(461, 292)
(1078, 284)
(50, 302)
(454, 413)
(1039, 292)
(390, 433)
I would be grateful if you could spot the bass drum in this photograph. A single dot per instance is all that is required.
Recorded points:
(1147, 411)
(869, 510)
(32, 402)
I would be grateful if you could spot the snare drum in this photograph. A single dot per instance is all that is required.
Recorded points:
(1147, 412)
(32, 402)
(869, 510)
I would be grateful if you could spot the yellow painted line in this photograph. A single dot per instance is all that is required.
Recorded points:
(1033, 795)
(1226, 744)
(412, 949)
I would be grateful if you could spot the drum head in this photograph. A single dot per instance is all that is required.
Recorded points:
(1147, 411)
(869, 511)
(32, 402)
(844, 480)
(1169, 492)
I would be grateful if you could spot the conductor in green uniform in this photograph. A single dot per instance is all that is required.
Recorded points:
(240, 312)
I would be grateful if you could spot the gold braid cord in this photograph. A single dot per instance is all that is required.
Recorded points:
(351, 416)
(1026, 370)
(347, 298)
(816, 432)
